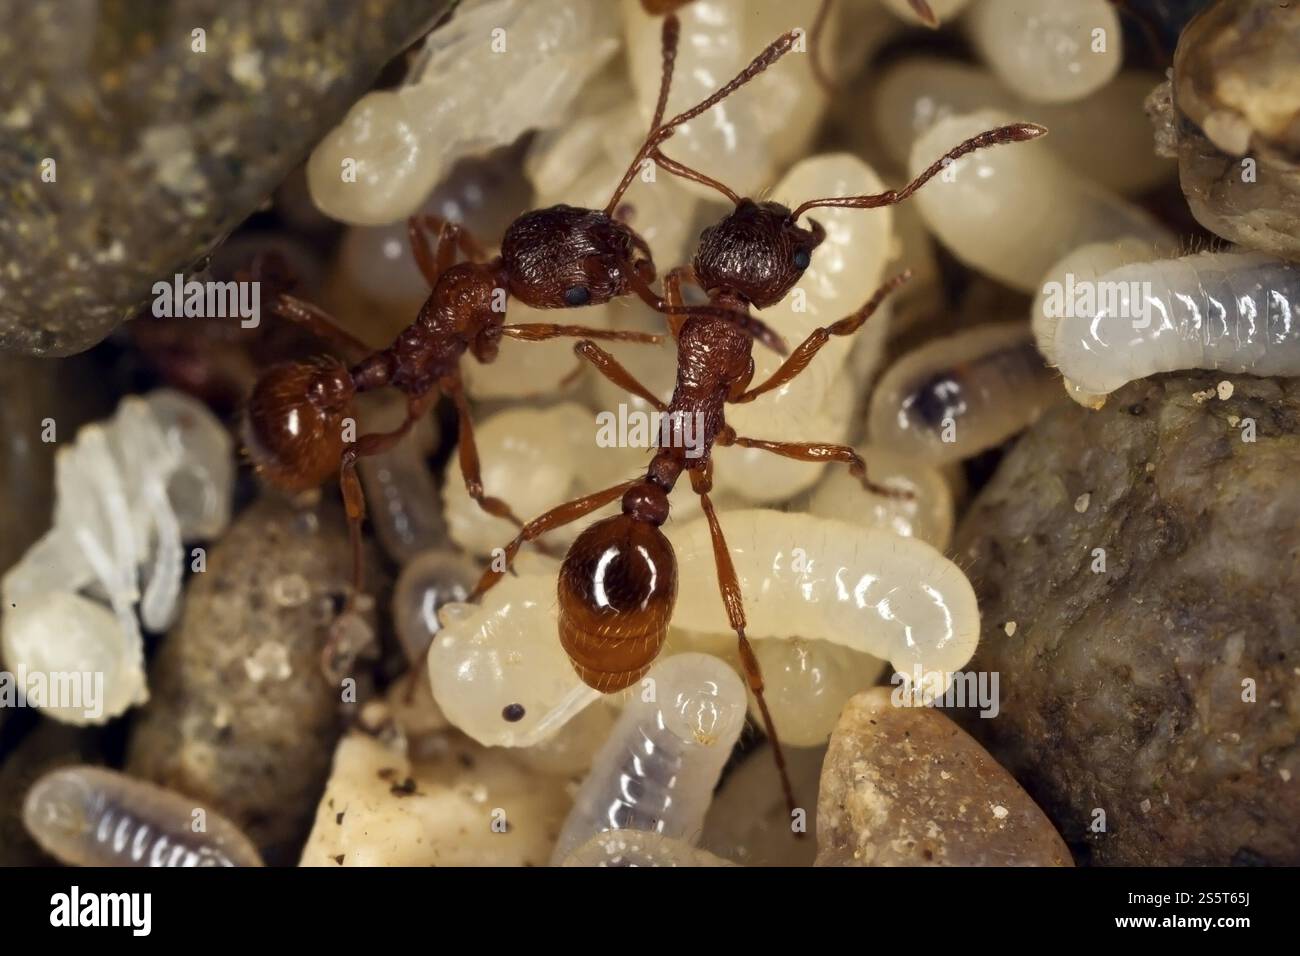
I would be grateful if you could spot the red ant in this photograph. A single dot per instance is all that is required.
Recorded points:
(561, 257)
(618, 583)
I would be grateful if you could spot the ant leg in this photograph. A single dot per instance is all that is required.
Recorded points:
(729, 586)
(759, 330)
(318, 322)
(557, 517)
(468, 451)
(432, 261)
(458, 236)
(818, 452)
(541, 331)
(610, 367)
(1013, 133)
(673, 296)
(809, 347)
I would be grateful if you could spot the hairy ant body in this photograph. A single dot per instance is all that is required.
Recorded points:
(618, 583)
(561, 257)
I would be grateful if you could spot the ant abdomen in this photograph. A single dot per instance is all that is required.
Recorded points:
(294, 426)
(617, 589)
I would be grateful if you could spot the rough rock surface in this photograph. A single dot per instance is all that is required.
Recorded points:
(159, 149)
(240, 713)
(905, 786)
(1161, 688)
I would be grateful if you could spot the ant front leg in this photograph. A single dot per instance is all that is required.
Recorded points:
(456, 236)
(318, 322)
(557, 517)
(817, 452)
(799, 359)
(432, 260)
(470, 469)
(613, 370)
(733, 602)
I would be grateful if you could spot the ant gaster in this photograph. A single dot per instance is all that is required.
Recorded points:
(555, 258)
(618, 583)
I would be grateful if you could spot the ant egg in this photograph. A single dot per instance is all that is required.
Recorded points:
(927, 515)
(428, 582)
(1105, 137)
(872, 591)
(89, 816)
(958, 396)
(200, 487)
(1048, 51)
(658, 768)
(1013, 212)
(845, 270)
(497, 669)
(640, 848)
(1231, 311)
(1077, 274)
(527, 61)
(807, 684)
(748, 137)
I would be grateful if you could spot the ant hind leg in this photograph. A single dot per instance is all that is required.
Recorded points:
(820, 452)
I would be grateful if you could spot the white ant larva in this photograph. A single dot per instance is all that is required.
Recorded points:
(89, 816)
(1237, 312)
(659, 766)
(963, 394)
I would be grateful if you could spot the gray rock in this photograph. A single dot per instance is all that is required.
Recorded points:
(1125, 688)
(240, 712)
(905, 786)
(159, 150)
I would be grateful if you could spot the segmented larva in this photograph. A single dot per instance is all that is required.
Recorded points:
(660, 764)
(640, 848)
(1237, 312)
(958, 396)
(89, 816)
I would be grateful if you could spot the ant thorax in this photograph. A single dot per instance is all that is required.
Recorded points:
(564, 257)
(758, 251)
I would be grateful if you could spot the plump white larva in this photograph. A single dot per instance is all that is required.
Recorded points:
(846, 269)
(497, 669)
(748, 137)
(496, 69)
(1012, 212)
(619, 848)
(807, 683)
(1074, 276)
(927, 515)
(1105, 136)
(955, 397)
(1232, 311)
(1051, 51)
(660, 764)
(873, 591)
(90, 816)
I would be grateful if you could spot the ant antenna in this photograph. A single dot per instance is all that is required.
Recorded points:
(671, 31)
(1014, 133)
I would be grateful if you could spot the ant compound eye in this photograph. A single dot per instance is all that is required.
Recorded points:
(577, 295)
(802, 259)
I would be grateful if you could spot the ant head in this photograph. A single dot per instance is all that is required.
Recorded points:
(758, 251)
(293, 430)
(564, 258)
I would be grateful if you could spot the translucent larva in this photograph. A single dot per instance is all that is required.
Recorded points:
(660, 764)
(401, 495)
(1012, 213)
(640, 848)
(894, 598)
(1105, 137)
(1075, 277)
(961, 395)
(1049, 51)
(1232, 311)
(428, 582)
(89, 816)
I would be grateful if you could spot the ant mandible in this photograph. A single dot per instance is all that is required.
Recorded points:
(618, 583)
(561, 257)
